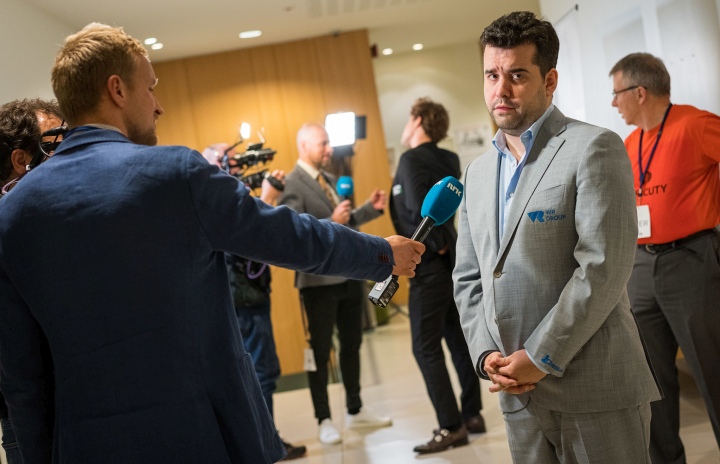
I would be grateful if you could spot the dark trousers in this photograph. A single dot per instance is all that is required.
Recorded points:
(433, 315)
(675, 296)
(257, 333)
(326, 307)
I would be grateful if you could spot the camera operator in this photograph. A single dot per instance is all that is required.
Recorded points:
(22, 123)
(250, 285)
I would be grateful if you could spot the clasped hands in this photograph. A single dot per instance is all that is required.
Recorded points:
(514, 374)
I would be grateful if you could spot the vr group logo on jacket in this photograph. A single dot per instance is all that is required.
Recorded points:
(548, 362)
(545, 216)
(397, 190)
(536, 215)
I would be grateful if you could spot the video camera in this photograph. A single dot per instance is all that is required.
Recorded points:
(242, 165)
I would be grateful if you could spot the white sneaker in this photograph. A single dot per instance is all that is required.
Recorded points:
(328, 434)
(366, 418)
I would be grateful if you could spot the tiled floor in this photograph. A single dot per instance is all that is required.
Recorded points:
(392, 385)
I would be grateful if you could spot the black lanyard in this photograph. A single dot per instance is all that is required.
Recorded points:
(652, 152)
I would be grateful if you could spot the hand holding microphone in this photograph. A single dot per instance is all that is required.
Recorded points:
(439, 205)
(344, 189)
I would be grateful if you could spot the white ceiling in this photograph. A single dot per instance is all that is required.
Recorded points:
(198, 27)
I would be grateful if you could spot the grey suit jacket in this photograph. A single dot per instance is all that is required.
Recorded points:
(303, 194)
(555, 283)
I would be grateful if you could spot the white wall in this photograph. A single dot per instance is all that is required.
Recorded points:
(450, 75)
(684, 33)
(29, 40)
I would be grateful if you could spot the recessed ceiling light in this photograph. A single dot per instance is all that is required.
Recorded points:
(150, 41)
(417, 47)
(387, 51)
(157, 46)
(250, 34)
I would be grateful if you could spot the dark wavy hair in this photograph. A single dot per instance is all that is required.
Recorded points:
(435, 119)
(19, 128)
(520, 28)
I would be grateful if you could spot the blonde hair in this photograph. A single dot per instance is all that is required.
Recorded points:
(86, 62)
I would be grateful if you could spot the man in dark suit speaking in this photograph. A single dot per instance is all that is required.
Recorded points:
(331, 302)
(118, 337)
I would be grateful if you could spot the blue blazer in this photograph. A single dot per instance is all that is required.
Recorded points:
(118, 338)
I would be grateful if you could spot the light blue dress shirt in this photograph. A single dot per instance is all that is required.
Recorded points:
(510, 168)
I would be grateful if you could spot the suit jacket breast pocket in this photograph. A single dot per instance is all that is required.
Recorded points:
(547, 194)
(548, 213)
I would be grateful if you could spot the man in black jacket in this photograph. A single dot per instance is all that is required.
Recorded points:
(433, 314)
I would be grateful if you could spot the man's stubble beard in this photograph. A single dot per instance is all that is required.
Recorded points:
(532, 111)
(142, 137)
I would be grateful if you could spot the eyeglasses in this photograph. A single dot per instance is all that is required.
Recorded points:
(49, 147)
(616, 92)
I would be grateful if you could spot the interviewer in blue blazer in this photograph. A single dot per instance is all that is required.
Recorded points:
(118, 338)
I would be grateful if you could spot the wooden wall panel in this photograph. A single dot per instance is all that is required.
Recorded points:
(340, 74)
(177, 125)
(271, 109)
(278, 88)
(222, 88)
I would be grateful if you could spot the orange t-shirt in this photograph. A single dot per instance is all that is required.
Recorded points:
(682, 186)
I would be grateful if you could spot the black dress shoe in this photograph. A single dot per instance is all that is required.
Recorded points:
(293, 452)
(475, 424)
(444, 439)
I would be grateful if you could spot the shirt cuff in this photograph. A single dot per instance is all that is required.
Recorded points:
(538, 364)
(481, 362)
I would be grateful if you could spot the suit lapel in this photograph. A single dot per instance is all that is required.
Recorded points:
(313, 185)
(543, 151)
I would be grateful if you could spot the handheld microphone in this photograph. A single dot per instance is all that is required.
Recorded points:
(439, 205)
(344, 188)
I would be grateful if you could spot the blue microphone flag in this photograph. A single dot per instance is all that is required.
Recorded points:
(442, 200)
(344, 186)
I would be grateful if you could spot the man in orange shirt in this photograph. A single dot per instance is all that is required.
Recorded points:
(675, 285)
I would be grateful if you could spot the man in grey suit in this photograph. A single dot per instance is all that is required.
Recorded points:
(331, 301)
(546, 239)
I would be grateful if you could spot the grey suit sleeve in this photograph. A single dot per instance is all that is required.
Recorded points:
(606, 226)
(292, 198)
(362, 214)
(469, 290)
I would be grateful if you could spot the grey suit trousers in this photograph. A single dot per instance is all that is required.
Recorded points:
(541, 436)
